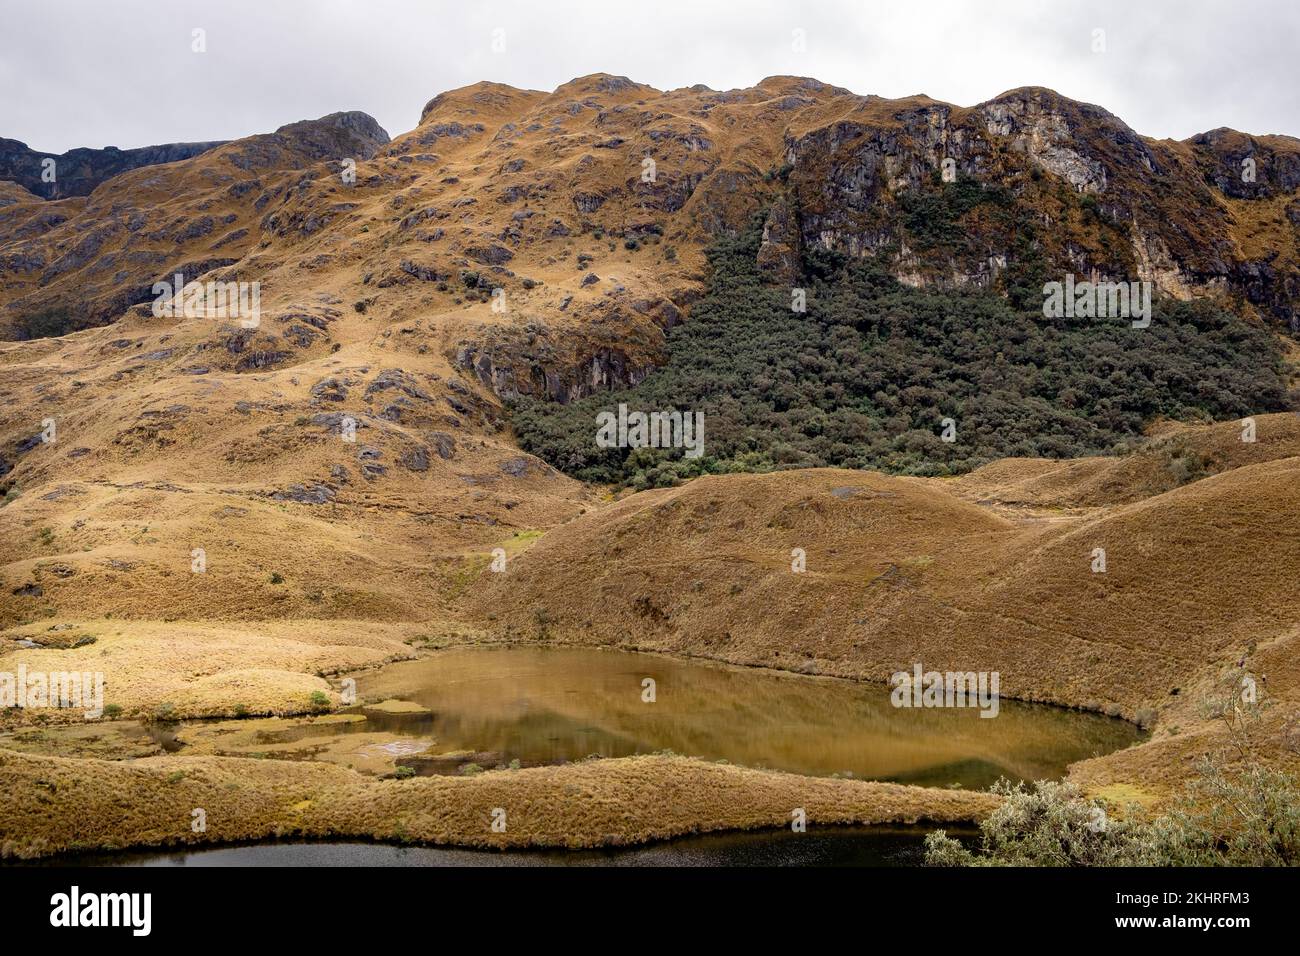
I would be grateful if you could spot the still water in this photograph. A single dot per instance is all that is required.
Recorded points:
(548, 705)
(835, 846)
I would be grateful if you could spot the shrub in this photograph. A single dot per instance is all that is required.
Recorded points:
(1237, 811)
(863, 378)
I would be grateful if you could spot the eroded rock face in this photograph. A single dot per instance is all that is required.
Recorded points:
(79, 171)
(1049, 180)
(314, 494)
(538, 361)
(779, 255)
(561, 379)
(416, 459)
(1038, 128)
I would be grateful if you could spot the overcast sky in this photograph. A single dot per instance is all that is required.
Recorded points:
(123, 72)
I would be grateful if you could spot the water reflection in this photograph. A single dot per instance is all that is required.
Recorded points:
(546, 705)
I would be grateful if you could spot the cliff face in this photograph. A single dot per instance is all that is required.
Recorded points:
(79, 171)
(1055, 186)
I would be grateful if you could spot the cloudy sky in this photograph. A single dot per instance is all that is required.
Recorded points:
(123, 72)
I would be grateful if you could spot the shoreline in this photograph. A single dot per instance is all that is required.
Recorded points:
(610, 802)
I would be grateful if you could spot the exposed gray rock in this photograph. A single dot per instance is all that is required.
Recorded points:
(444, 444)
(329, 390)
(316, 493)
(416, 459)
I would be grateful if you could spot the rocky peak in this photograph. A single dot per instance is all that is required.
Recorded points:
(79, 171)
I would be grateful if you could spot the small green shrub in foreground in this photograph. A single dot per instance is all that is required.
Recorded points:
(1237, 812)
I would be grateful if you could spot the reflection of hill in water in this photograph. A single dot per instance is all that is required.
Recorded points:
(541, 705)
(973, 774)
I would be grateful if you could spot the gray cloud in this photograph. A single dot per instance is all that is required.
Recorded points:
(89, 73)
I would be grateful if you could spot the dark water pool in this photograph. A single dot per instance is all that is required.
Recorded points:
(834, 846)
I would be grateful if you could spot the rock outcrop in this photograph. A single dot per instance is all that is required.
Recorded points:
(78, 171)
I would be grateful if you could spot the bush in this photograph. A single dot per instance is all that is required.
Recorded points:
(863, 378)
(1236, 812)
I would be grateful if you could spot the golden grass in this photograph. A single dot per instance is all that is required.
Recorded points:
(197, 669)
(55, 804)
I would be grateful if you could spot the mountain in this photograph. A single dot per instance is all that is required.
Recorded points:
(96, 256)
(78, 171)
(516, 246)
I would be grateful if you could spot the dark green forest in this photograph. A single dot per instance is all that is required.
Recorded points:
(864, 378)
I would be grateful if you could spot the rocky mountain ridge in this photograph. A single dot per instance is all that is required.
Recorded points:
(78, 171)
(589, 208)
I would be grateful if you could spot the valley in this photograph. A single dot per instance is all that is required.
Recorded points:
(326, 562)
